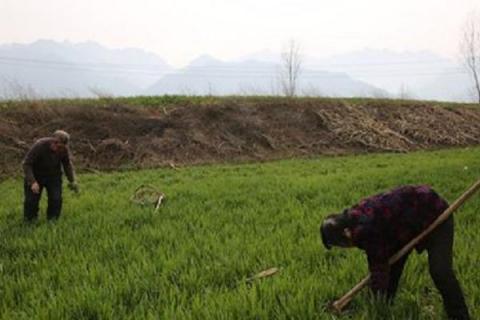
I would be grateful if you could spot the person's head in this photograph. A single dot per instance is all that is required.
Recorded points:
(60, 140)
(334, 231)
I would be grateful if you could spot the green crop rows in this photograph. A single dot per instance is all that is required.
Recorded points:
(108, 258)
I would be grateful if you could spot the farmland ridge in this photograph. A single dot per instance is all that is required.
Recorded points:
(108, 134)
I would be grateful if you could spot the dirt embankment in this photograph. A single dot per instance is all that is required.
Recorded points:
(114, 135)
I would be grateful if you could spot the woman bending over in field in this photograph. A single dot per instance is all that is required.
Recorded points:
(382, 224)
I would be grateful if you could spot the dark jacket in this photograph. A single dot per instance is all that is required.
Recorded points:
(41, 161)
(382, 224)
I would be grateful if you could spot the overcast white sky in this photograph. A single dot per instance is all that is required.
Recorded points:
(180, 30)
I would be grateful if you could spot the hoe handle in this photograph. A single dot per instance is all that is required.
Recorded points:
(339, 304)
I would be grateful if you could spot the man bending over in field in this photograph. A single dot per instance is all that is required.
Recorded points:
(42, 168)
(382, 224)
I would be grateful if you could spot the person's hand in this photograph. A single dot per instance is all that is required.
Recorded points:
(74, 187)
(35, 187)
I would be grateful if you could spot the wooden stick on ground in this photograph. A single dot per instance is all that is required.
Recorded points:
(159, 202)
(339, 304)
(265, 273)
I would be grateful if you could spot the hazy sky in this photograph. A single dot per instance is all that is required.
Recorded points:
(180, 30)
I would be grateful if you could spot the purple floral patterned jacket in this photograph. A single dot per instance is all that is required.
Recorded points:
(382, 224)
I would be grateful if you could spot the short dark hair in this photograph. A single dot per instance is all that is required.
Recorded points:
(332, 229)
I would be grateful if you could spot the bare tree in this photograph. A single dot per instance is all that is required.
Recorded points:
(405, 93)
(291, 68)
(470, 50)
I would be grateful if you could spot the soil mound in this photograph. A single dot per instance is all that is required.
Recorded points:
(113, 135)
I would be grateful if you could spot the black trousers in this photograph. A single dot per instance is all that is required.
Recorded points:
(439, 246)
(53, 185)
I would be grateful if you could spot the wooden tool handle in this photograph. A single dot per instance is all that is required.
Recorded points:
(339, 304)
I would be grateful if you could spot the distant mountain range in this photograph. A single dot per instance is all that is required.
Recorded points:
(209, 75)
(421, 75)
(51, 69)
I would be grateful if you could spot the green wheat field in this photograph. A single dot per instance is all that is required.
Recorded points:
(109, 258)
